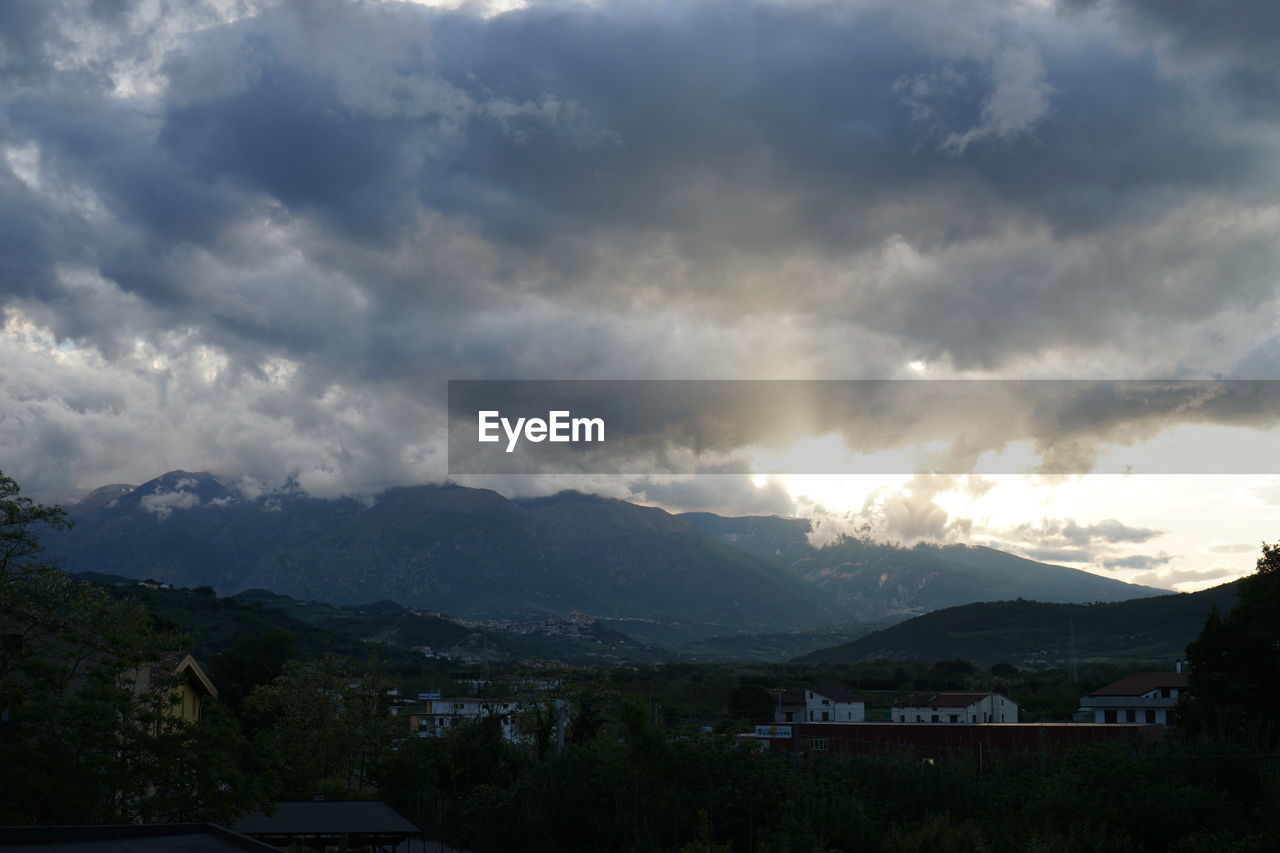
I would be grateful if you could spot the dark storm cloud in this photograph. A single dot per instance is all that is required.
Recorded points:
(289, 218)
(1237, 31)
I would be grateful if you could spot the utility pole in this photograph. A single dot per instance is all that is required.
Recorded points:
(560, 714)
(1073, 671)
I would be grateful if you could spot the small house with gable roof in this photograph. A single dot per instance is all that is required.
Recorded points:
(955, 708)
(819, 705)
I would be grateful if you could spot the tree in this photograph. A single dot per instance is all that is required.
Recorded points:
(325, 726)
(751, 702)
(1234, 685)
(250, 661)
(81, 742)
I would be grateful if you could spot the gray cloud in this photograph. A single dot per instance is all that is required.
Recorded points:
(1110, 531)
(1136, 561)
(1236, 32)
(1235, 548)
(1068, 532)
(1101, 544)
(257, 237)
(1059, 555)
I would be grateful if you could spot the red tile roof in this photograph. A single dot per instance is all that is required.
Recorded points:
(1142, 682)
(943, 700)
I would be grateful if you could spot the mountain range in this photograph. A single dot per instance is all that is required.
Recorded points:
(877, 581)
(472, 553)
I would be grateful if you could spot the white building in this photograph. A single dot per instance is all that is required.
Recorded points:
(1144, 697)
(956, 708)
(435, 716)
(819, 705)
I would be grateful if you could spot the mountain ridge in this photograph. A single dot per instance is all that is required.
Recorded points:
(475, 554)
(878, 580)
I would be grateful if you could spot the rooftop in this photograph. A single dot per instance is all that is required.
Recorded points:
(942, 700)
(1143, 682)
(325, 818)
(153, 838)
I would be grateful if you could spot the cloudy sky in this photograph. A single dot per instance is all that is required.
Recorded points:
(256, 238)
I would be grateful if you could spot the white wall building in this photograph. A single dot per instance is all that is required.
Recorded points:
(1144, 697)
(819, 705)
(956, 708)
(434, 717)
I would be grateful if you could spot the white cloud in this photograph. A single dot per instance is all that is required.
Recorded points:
(1019, 99)
(162, 504)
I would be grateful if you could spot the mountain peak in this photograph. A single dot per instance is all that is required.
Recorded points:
(182, 481)
(105, 496)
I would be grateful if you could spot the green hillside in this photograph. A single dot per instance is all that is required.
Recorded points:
(389, 623)
(214, 623)
(1033, 632)
(775, 647)
(384, 633)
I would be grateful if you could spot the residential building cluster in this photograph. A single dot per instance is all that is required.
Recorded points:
(435, 716)
(981, 725)
(572, 625)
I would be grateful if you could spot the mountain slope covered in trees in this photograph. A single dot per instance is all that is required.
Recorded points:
(1038, 632)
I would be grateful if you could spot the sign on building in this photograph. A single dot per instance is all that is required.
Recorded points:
(773, 731)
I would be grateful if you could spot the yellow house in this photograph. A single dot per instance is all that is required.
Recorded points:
(186, 682)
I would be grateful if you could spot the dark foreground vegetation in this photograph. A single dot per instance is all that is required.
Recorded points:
(649, 762)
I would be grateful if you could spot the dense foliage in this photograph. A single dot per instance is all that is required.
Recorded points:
(649, 763)
(79, 742)
(1235, 674)
(636, 787)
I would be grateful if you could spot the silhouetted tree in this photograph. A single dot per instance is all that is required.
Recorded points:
(1235, 664)
(81, 741)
